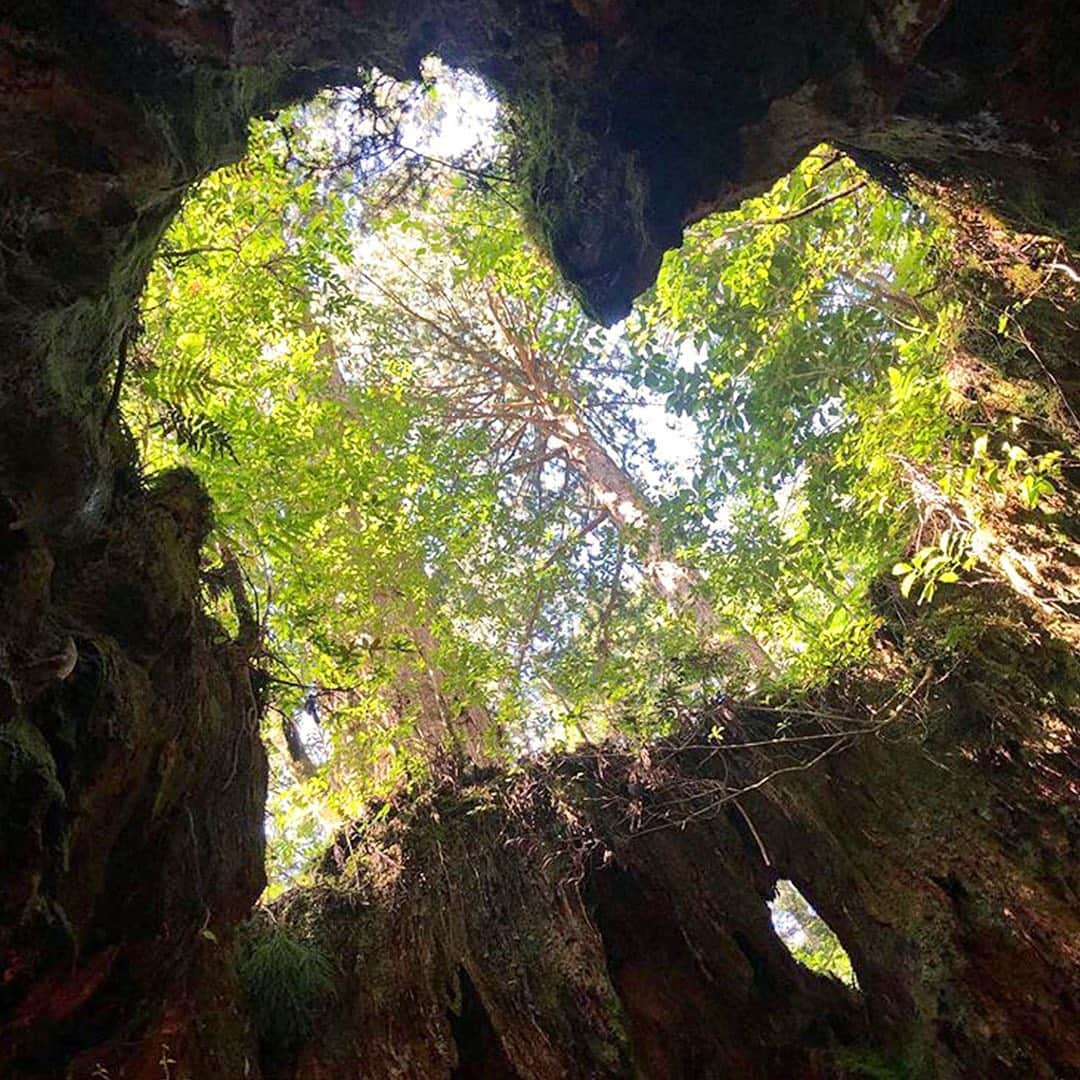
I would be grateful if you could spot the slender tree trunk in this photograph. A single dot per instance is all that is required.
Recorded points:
(530, 391)
(444, 726)
(614, 492)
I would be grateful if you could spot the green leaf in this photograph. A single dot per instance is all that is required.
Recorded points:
(191, 342)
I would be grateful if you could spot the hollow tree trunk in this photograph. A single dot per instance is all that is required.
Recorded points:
(601, 916)
(130, 809)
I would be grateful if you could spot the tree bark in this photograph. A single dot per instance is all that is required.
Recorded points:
(605, 914)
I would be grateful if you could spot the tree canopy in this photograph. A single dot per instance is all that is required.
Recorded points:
(467, 523)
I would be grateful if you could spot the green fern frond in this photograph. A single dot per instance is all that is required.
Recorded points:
(195, 431)
(286, 980)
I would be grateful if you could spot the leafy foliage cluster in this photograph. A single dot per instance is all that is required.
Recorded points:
(811, 940)
(474, 523)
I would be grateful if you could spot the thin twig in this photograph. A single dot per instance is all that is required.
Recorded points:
(792, 215)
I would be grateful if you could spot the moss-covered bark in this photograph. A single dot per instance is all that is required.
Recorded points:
(133, 788)
(514, 927)
(605, 914)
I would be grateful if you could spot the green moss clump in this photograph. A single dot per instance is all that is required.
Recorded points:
(28, 780)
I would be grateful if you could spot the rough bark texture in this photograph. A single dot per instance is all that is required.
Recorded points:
(130, 795)
(605, 914)
(132, 785)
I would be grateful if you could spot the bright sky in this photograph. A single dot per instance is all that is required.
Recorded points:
(468, 114)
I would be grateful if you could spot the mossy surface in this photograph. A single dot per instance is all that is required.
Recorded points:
(579, 904)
